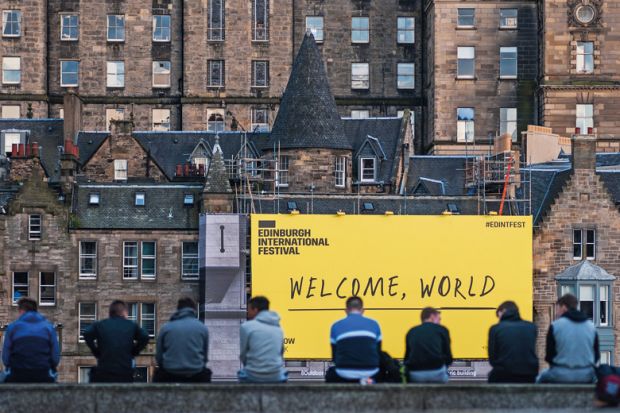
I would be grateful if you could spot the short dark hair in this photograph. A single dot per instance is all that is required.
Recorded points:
(569, 301)
(27, 304)
(354, 303)
(186, 302)
(508, 306)
(428, 312)
(117, 307)
(259, 303)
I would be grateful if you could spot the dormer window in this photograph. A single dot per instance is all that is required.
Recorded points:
(140, 198)
(93, 198)
(201, 161)
(368, 170)
(188, 200)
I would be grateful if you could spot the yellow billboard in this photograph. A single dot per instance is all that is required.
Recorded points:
(308, 265)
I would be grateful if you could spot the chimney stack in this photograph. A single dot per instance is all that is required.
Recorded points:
(584, 151)
(72, 105)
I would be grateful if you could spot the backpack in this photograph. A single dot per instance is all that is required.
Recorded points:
(389, 369)
(608, 385)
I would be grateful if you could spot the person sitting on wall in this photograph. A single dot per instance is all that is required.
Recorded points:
(572, 345)
(512, 347)
(356, 346)
(115, 342)
(262, 345)
(30, 352)
(428, 353)
(183, 347)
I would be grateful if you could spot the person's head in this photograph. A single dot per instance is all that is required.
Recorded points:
(354, 305)
(506, 306)
(256, 305)
(118, 308)
(431, 315)
(26, 304)
(186, 302)
(566, 303)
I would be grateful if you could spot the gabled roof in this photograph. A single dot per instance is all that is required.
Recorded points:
(449, 170)
(217, 176)
(308, 116)
(585, 271)
(546, 186)
(375, 146)
(88, 143)
(48, 133)
(426, 186)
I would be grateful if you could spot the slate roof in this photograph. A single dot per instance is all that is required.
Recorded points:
(585, 271)
(308, 117)
(449, 170)
(7, 192)
(611, 179)
(163, 209)
(546, 186)
(217, 178)
(48, 133)
(88, 143)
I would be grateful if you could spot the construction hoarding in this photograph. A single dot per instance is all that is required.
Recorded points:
(308, 265)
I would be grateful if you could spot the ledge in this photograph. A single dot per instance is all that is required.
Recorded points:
(147, 398)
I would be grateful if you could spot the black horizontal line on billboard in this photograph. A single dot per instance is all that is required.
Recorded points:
(396, 309)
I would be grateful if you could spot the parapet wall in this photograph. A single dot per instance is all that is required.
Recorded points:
(148, 398)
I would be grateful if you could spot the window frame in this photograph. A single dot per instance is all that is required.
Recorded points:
(362, 80)
(597, 287)
(166, 66)
(502, 19)
(511, 62)
(186, 275)
(459, 67)
(63, 26)
(221, 30)
(12, 69)
(459, 16)
(82, 317)
(582, 56)
(82, 275)
(10, 108)
(144, 257)
(264, 82)
(359, 114)
(340, 172)
(362, 30)
(260, 126)
(467, 124)
(131, 263)
(153, 319)
(162, 28)
(215, 120)
(315, 29)
(264, 17)
(212, 68)
(10, 23)
(118, 76)
(161, 126)
(399, 84)
(584, 121)
(33, 234)
(14, 285)
(120, 170)
(282, 171)
(505, 122)
(53, 286)
(364, 168)
(115, 27)
(405, 30)
(582, 244)
(62, 72)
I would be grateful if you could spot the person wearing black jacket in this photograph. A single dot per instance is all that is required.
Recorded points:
(428, 353)
(512, 347)
(115, 342)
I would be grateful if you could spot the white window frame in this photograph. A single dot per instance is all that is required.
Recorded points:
(120, 170)
(14, 284)
(360, 114)
(404, 85)
(62, 72)
(603, 297)
(580, 240)
(11, 138)
(260, 34)
(144, 257)
(163, 115)
(11, 64)
(465, 126)
(92, 318)
(360, 30)
(131, 271)
(84, 374)
(583, 118)
(216, 122)
(340, 171)
(316, 25)
(582, 57)
(151, 317)
(163, 69)
(504, 21)
(458, 17)
(282, 171)
(364, 168)
(63, 25)
(87, 256)
(465, 54)
(508, 122)
(260, 126)
(162, 18)
(115, 76)
(256, 82)
(186, 275)
(360, 76)
(404, 31)
(35, 230)
(216, 33)
(52, 286)
(6, 23)
(117, 29)
(506, 59)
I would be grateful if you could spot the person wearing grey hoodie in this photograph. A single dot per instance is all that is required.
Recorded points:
(262, 345)
(183, 347)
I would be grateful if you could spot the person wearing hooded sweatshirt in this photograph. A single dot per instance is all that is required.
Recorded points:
(262, 345)
(183, 347)
(512, 347)
(572, 345)
(30, 352)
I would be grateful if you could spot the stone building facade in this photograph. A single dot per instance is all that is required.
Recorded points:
(579, 69)
(480, 73)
